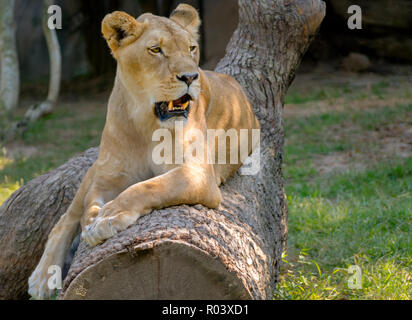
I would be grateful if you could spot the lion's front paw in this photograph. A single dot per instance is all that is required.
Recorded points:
(110, 221)
(100, 230)
(38, 284)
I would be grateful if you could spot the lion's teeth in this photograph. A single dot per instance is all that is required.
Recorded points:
(185, 105)
(170, 107)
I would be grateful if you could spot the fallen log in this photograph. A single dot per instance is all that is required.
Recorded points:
(186, 252)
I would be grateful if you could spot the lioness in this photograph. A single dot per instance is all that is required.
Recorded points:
(158, 83)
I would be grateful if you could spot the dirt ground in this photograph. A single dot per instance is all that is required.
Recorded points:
(361, 92)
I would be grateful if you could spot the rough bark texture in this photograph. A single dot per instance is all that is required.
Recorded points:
(190, 251)
(9, 64)
(27, 218)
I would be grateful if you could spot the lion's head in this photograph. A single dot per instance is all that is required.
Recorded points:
(157, 58)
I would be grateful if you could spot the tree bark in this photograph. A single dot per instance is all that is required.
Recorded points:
(28, 216)
(187, 252)
(46, 107)
(9, 64)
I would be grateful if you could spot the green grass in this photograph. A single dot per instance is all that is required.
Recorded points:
(355, 217)
(379, 88)
(333, 92)
(58, 137)
(334, 131)
(297, 97)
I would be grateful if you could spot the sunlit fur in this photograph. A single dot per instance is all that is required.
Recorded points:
(125, 183)
(150, 78)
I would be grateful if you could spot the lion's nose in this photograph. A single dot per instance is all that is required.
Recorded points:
(188, 78)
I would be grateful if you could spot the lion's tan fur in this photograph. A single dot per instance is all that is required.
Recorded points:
(124, 183)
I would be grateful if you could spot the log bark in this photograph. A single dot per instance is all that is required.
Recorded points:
(190, 252)
(28, 216)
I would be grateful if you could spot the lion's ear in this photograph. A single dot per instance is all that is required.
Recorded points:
(188, 18)
(120, 29)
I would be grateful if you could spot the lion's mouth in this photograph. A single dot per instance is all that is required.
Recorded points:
(165, 110)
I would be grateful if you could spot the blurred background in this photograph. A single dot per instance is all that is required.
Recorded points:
(385, 36)
(348, 123)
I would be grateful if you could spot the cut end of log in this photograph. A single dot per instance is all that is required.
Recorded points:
(167, 270)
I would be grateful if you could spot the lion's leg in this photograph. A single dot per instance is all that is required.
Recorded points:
(58, 243)
(182, 185)
(105, 188)
(93, 202)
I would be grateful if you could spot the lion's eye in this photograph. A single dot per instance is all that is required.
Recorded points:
(192, 48)
(155, 50)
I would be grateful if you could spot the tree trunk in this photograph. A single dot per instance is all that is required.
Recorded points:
(188, 252)
(46, 107)
(9, 64)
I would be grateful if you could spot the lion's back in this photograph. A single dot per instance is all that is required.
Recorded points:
(229, 106)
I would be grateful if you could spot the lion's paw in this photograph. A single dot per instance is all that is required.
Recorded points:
(104, 227)
(38, 284)
(100, 230)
